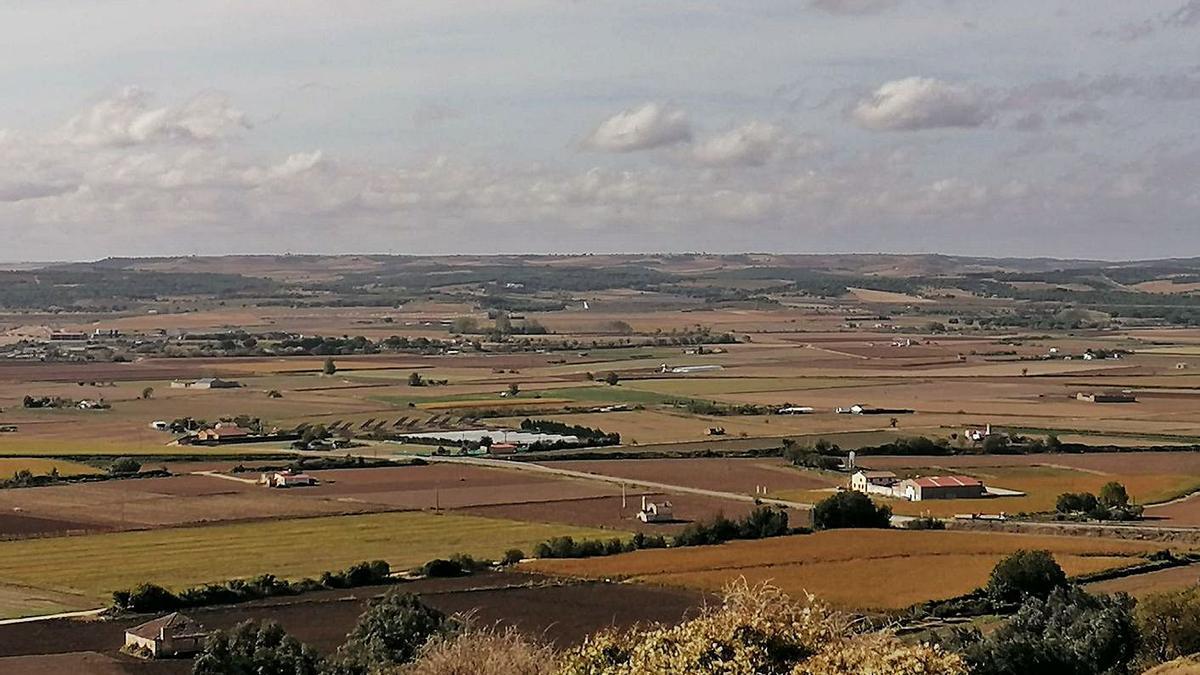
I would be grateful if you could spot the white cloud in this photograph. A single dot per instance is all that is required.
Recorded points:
(128, 118)
(752, 144)
(648, 126)
(916, 103)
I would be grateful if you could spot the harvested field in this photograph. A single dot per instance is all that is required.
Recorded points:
(18, 525)
(93, 566)
(563, 614)
(854, 569)
(727, 475)
(1139, 585)
(41, 466)
(607, 513)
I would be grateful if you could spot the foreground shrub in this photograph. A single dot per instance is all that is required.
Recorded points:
(487, 651)
(253, 649)
(389, 633)
(1068, 633)
(1169, 624)
(756, 631)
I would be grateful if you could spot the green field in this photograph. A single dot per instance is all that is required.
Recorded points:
(93, 566)
(715, 386)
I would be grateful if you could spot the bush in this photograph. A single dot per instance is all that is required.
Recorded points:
(253, 649)
(1069, 632)
(440, 567)
(486, 651)
(850, 509)
(1169, 624)
(146, 598)
(1025, 573)
(757, 630)
(389, 633)
(124, 466)
(925, 523)
(512, 556)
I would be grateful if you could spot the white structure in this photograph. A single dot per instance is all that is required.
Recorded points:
(205, 383)
(159, 425)
(873, 482)
(856, 409)
(977, 435)
(684, 370)
(795, 410)
(286, 479)
(655, 512)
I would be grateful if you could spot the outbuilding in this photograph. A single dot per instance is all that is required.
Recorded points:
(941, 487)
(167, 636)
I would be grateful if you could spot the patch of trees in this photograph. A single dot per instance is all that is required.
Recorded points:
(850, 509)
(592, 436)
(914, 445)
(1111, 504)
(71, 288)
(154, 598)
(822, 455)
(761, 523)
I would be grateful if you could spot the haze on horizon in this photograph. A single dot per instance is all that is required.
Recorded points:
(1022, 128)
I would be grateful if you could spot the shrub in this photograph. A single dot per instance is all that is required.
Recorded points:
(146, 598)
(124, 466)
(925, 523)
(512, 556)
(1068, 632)
(389, 633)
(252, 649)
(1169, 624)
(487, 651)
(440, 567)
(850, 509)
(1025, 573)
(756, 630)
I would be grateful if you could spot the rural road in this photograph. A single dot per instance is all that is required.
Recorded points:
(60, 615)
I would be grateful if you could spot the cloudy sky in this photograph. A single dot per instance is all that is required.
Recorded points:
(1023, 127)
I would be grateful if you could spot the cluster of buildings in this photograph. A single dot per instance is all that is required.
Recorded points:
(205, 383)
(888, 484)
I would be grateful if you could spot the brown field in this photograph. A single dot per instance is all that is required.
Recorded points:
(1139, 585)
(563, 614)
(855, 569)
(726, 475)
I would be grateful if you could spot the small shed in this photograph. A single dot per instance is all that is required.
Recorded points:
(167, 636)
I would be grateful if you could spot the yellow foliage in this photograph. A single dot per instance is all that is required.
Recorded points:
(757, 631)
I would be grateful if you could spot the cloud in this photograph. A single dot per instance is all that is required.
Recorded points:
(128, 118)
(856, 7)
(1186, 16)
(648, 126)
(917, 103)
(752, 144)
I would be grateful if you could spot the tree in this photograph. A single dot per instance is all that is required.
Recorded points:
(148, 393)
(415, 380)
(464, 324)
(1170, 624)
(611, 379)
(389, 633)
(1025, 573)
(1068, 633)
(1076, 502)
(124, 466)
(850, 509)
(1113, 495)
(513, 388)
(254, 649)
(330, 367)
(503, 324)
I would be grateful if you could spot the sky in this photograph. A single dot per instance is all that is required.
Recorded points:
(1066, 128)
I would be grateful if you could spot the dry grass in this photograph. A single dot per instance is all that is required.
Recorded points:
(860, 569)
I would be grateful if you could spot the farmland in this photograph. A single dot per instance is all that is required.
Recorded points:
(854, 569)
(686, 378)
(287, 548)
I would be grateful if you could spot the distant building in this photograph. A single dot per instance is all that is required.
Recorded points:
(205, 383)
(873, 482)
(222, 431)
(166, 636)
(655, 512)
(68, 336)
(1107, 397)
(940, 487)
(795, 410)
(501, 449)
(287, 479)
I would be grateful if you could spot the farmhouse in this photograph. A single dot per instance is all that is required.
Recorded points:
(501, 449)
(1107, 397)
(873, 482)
(205, 383)
(223, 431)
(940, 487)
(166, 636)
(286, 479)
(655, 512)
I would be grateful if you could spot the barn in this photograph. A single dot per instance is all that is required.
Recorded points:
(941, 487)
